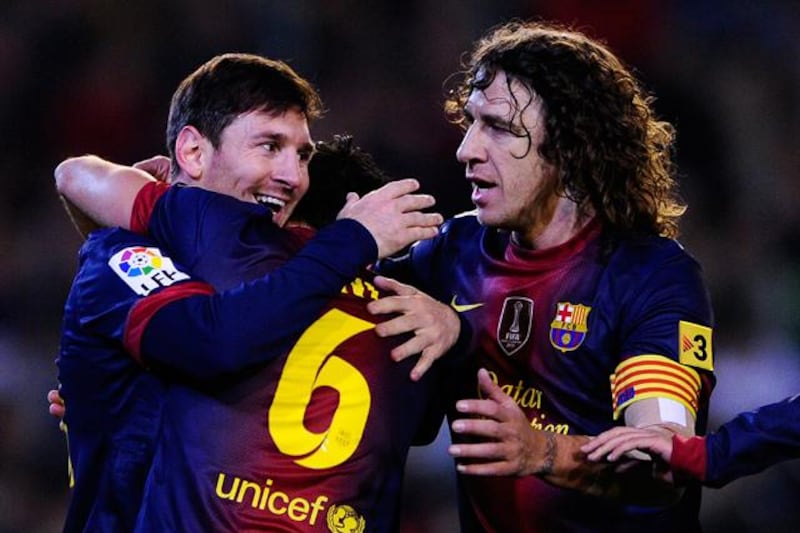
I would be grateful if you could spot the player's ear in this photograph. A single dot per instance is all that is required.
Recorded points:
(191, 152)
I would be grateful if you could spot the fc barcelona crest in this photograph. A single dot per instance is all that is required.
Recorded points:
(568, 328)
(514, 326)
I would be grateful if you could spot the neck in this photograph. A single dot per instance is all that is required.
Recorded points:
(566, 221)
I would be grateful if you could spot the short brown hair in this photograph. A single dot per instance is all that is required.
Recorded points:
(228, 85)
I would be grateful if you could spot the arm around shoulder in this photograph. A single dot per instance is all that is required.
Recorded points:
(102, 191)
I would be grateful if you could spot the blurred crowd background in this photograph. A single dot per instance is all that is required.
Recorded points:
(95, 76)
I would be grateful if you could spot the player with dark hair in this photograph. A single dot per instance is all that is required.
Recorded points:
(570, 278)
(746, 445)
(320, 435)
(261, 156)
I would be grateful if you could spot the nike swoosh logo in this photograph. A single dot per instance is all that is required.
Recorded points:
(463, 308)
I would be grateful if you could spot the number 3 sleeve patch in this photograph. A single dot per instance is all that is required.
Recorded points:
(695, 345)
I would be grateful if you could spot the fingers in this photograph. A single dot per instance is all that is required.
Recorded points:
(612, 451)
(404, 323)
(157, 166)
(392, 215)
(56, 407)
(477, 427)
(603, 438)
(598, 447)
(483, 450)
(412, 235)
(392, 285)
(493, 460)
(418, 219)
(498, 468)
(56, 410)
(435, 325)
(490, 389)
(413, 346)
(54, 397)
(626, 442)
(398, 188)
(429, 352)
(408, 203)
(424, 364)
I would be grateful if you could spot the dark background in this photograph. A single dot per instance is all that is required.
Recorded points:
(95, 76)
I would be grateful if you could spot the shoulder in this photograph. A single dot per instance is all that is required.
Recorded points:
(461, 228)
(640, 254)
(179, 199)
(104, 242)
(647, 269)
(466, 222)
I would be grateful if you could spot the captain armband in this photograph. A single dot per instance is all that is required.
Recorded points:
(654, 376)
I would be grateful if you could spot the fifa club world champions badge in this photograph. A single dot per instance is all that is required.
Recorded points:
(514, 326)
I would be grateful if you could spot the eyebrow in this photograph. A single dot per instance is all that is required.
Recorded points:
(267, 136)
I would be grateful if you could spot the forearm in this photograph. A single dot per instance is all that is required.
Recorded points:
(560, 461)
(203, 336)
(102, 191)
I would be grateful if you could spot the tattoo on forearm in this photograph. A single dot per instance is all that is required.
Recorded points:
(550, 450)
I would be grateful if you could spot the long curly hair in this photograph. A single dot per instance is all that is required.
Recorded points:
(610, 150)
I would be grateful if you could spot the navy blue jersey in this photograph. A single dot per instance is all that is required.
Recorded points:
(574, 334)
(203, 228)
(315, 440)
(113, 407)
(746, 445)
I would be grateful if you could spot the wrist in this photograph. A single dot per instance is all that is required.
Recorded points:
(688, 457)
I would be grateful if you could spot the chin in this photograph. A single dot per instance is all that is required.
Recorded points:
(485, 218)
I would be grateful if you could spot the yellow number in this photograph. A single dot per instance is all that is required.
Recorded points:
(312, 364)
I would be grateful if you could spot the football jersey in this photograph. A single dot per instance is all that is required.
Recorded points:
(574, 334)
(315, 440)
(113, 407)
(236, 248)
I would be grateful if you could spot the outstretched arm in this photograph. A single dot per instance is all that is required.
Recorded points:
(201, 334)
(242, 322)
(510, 446)
(746, 445)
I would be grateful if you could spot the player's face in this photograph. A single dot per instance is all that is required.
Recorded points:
(263, 158)
(512, 186)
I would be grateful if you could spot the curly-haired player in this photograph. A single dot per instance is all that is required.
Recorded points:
(586, 313)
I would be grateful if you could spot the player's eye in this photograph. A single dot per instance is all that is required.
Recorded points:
(271, 147)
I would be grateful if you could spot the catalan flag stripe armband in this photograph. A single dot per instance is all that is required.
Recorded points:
(653, 376)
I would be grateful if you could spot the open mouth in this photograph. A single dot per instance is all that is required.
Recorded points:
(480, 184)
(270, 202)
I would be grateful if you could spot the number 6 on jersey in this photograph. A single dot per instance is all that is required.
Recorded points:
(312, 364)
